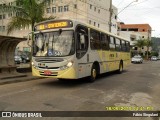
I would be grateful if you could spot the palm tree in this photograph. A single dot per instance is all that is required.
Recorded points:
(140, 44)
(28, 13)
(148, 43)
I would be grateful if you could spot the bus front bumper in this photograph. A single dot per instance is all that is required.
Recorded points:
(69, 73)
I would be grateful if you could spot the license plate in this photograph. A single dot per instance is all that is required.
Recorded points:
(47, 72)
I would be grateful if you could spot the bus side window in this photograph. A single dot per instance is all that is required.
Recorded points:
(123, 46)
(118, 44)
(104, 42)
(95, 40)
(127, 46)
(112, 43)
(82, 41)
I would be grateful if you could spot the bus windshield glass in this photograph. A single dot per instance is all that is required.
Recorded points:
(54, 44)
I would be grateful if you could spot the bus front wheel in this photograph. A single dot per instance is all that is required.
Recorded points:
(93, 74)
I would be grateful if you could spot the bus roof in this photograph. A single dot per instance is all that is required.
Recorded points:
(85, 24)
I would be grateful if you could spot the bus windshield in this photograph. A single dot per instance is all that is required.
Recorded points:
(54, 44)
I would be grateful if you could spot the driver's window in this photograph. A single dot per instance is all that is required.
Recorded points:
(82, 41)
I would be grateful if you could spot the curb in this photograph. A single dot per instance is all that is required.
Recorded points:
(18, 79)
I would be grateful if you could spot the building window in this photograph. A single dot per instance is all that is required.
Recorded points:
(48, 10)
(3, 28)
(116, 17)
(47, 2)
(94, 8)
(98, 25)
(75, 6)
(94, 23)
(53, 9)
(9, 14)
(60, 9)
(53, 1)
(90, 6)
(66, 8)
(123, 29)
(4, 16)
(0, 17)
(99, 10)
(90, 21)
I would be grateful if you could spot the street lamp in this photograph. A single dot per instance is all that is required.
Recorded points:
(127, 6)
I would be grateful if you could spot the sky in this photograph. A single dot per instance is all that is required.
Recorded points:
(140, 12)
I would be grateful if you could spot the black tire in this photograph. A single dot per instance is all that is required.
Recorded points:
(94, 73)
(120, 70)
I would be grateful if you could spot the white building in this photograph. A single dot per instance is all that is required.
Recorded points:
(94, 12)
(113, 24)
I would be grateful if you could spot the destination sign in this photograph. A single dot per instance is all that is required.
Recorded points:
(54, 25)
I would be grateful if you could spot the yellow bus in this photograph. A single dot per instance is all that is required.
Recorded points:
(69, 49)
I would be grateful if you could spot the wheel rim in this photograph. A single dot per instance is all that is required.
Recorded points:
(94, 74)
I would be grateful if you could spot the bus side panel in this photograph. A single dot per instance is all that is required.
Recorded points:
(127, 59)
(84, 67)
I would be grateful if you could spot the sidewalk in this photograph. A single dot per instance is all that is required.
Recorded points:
(23, 74)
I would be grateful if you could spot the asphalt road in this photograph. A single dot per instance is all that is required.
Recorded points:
(138, 85)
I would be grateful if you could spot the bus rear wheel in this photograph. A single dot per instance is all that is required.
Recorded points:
(93, 76)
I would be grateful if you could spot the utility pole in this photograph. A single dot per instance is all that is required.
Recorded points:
(110, 17)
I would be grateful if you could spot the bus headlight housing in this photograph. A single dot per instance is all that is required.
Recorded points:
(32, 63)
(69, 64)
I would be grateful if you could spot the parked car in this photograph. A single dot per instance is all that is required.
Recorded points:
(137, 59)
(154, 58)
(25, 58)
(17, 59)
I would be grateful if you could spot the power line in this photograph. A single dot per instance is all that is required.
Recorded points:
(139, 3)
(120, 3)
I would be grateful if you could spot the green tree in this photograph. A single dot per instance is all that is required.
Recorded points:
(154, 53)
(28, 12)
(140, 44)
(148, 43)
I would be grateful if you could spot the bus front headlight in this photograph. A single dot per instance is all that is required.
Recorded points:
(32, 63)
(67, 66)
(70, 64)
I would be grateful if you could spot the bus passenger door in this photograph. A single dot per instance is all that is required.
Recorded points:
(81, 50)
